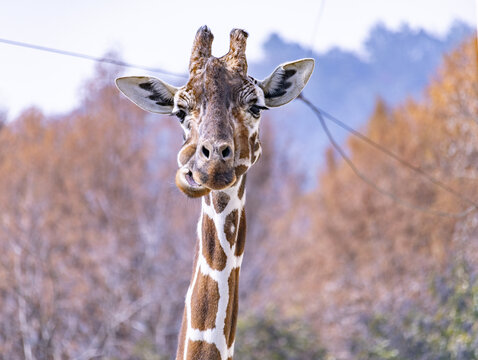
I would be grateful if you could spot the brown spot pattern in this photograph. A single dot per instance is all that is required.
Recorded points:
(220, 200)
(241, 169)
(241, 235)
(201, 350)
(241, 143)
(257, 145)
(232, 307)
(204, 303)
(229, 224)
(211, 247)
(253, 146)
(242, 188)
(207, 200)
(186, 153)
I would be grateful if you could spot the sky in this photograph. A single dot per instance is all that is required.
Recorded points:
(159, 33)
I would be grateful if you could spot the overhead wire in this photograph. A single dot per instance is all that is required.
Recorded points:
(371, 183)
(92, 58)
(320, 115)
(316, 27)
(397, 158)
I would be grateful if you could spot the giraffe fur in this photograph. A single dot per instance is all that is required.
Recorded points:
(217, 335)
(219, 110)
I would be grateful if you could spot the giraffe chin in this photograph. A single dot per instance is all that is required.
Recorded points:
(186, 183)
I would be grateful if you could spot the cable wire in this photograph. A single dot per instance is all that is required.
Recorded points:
(92, 58)
(316, 27)
(397, 158)
(320, 114)
(368, 181)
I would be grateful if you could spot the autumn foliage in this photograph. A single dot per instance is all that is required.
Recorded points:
(350, 249)
(97, 243)
(85, 235)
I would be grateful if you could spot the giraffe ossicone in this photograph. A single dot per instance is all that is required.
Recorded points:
(219, 110)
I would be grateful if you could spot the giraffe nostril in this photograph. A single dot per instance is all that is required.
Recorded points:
(205, 152)
(226, 152)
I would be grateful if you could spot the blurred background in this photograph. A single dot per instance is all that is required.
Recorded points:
(97, 243)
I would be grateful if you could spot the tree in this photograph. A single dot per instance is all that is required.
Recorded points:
(269, 336)
(89, 265)
(447, 330)
(344, 250)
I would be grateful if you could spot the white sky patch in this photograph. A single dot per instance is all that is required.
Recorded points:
(160, 34)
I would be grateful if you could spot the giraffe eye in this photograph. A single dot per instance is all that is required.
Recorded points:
(180, 114)
(255, 110)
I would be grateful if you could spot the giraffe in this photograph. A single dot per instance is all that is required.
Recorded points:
(219, 110)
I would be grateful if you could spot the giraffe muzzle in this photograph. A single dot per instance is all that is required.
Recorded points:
(209, 167)
(214, 164)
(187, 184)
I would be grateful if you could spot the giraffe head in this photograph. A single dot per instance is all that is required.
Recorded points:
(219, 110)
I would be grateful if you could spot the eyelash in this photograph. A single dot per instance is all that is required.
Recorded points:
(180, 114)
(255, 110)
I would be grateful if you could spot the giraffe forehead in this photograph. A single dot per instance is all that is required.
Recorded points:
(218, 81)
(217, 85)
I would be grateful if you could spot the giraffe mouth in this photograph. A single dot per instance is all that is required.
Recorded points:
(187, 184)
(190, 179)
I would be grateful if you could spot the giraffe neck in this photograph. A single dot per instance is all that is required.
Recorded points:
(209, 320)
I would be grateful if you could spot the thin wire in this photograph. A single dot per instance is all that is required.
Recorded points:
(316, 110)
(372, 184)
(400, 160)
(92, 58)
(316, 27)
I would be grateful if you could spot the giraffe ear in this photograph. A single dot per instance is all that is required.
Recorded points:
(286, 82)
(148, 93)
